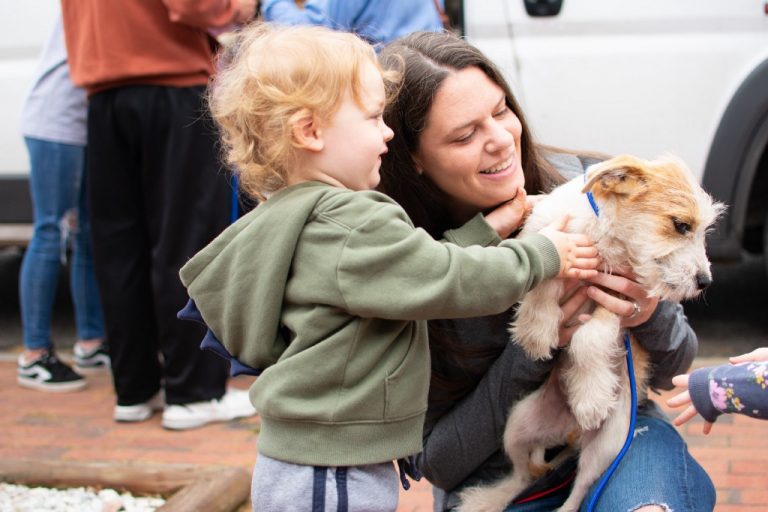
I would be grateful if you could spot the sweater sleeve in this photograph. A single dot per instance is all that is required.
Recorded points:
(201, 13)
(475, 232)
(388, 269)
(670, 341)
(336, 15)
(729, 388)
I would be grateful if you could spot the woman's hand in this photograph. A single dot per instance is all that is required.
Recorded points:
(508, 217)
(572, 300)
(636, 309)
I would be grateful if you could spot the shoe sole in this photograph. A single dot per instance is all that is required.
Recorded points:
(188, 424)
(92, 369)
(133, 417)
(59, 387)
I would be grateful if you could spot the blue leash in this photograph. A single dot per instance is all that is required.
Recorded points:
(633, 408)
(630, 434)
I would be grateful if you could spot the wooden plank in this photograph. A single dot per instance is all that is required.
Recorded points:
(15, 235)
(220, 491)
(187, 487)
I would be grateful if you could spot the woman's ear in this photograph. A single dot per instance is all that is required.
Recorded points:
(417, 164)
(306, 131)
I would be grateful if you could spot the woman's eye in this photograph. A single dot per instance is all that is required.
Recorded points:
(502, 112)
(466, 138)
(680, 226)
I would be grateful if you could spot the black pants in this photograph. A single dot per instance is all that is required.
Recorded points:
(157, 196)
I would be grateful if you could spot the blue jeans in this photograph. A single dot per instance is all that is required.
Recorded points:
(657, 469)
(56, 182)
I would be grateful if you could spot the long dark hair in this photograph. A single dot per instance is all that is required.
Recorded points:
(425, 60)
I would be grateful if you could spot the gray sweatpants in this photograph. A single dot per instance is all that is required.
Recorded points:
(279, 486)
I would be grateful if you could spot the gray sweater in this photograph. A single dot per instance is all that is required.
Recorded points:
(462, 436)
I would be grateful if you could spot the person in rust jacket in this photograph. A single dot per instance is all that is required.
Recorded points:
(156, 191)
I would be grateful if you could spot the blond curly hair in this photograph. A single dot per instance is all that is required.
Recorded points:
(268, 78)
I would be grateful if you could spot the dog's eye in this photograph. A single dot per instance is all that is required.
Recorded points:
(680, 226)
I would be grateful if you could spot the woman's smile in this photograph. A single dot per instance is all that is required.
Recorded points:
(503, 169)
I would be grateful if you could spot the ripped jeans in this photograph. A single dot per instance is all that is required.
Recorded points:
(56, 182)
(657, 470)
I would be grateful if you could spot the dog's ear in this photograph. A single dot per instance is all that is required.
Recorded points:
(623, 176)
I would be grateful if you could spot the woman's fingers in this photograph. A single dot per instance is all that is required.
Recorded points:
(636, 309)
(620, 284)
(573, 304)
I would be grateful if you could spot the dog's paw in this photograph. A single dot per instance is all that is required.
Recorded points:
(538, 351)
(590, 414)
(494, 497)
(481, 499)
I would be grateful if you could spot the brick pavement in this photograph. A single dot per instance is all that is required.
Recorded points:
(78, 427)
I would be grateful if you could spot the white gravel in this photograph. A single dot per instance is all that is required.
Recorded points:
(20, 498)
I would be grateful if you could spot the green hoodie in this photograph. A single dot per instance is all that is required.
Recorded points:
(328, 291)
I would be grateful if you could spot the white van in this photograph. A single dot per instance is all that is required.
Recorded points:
(688, 77)
(24, 29)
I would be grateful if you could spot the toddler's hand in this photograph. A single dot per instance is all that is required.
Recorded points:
(508, 217)
(756, 356)
(578, 255)
(682, 399)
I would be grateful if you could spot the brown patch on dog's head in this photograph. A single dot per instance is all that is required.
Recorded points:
(660, 214)
(661, 186)
(620, 176)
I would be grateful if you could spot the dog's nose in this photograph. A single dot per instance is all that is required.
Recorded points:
(703, 280)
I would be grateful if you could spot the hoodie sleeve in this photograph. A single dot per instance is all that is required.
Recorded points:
(739, 388)
(387, 269)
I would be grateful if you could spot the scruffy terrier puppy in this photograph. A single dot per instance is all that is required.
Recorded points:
(652, 220)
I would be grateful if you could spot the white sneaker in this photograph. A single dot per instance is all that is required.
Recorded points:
(234, 404)
(142, 411)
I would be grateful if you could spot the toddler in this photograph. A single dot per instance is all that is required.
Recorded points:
(324, 289)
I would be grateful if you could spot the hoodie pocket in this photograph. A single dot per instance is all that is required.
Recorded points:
(405, 388)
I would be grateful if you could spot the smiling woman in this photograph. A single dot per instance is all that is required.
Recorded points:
(470, 147)
(462, 160)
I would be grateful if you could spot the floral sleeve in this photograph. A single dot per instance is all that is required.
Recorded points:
(730, 388)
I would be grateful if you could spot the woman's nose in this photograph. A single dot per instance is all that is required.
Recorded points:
(500, 138)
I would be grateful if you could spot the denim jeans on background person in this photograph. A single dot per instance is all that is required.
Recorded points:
(56, 183)
(657, 470)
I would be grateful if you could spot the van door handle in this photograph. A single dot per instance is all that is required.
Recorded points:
(540, 8)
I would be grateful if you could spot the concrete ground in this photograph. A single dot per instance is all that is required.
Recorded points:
(730, 319)
(79, 427)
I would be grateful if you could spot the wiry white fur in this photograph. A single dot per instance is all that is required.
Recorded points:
(586, 393)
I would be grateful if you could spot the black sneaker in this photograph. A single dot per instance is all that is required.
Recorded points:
(93, 360)
(47, 373)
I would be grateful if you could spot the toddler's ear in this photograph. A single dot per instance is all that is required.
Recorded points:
(306, 132)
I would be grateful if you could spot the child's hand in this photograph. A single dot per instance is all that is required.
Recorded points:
(508, 217)
(756, 356)
(682, 399)
(578, 255)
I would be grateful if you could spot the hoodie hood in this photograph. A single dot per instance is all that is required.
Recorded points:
(220, 277)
